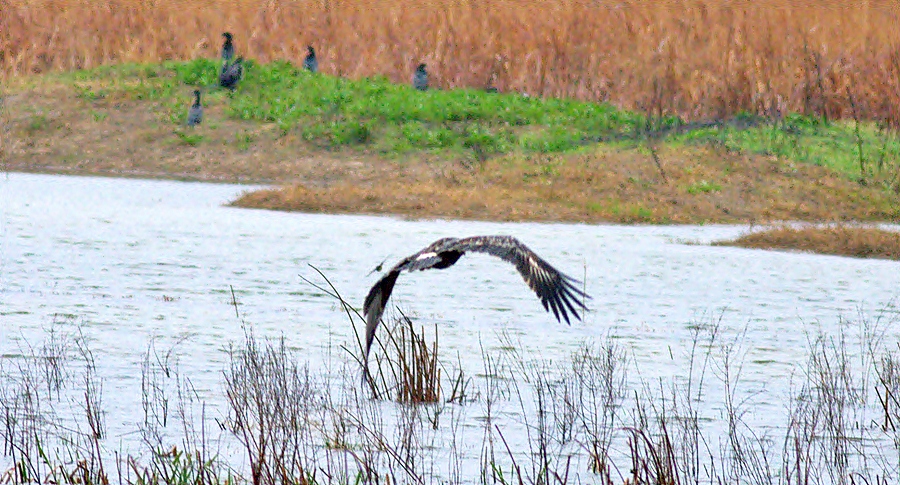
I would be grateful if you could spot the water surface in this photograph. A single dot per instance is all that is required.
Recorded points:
(135, 261)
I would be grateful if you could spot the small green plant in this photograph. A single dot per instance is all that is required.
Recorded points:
(703, 187)
(244, 140)
(190, 139)
(36, 124)
(99, 116)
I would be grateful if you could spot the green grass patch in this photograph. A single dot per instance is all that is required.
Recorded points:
(703, 187)
(373, 113)
(189, 139)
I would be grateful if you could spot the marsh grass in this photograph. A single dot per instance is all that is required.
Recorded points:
(696, 59)
(842, 240)
(586, 419)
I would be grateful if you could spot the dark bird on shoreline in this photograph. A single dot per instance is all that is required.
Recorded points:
(557, 292)
(195, 113)
(420, 78)
(310, 63)
(227, 47)
(231, 74)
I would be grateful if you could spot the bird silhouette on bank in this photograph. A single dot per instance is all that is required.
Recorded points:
(227, 47)
(420, 78)
(557, 292)
(310, 63)
(195, 113)
(231, 73)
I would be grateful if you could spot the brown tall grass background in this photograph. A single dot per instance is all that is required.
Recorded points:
(695, 58)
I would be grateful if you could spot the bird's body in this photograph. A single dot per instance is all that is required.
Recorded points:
(231, 73)
(557, 292)
(227, 47)
(195, 113)
(420, 78)
(310, 63)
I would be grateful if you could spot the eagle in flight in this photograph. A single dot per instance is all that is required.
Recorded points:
(557, 291)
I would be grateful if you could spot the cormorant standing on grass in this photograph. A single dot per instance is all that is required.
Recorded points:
(227, 47)
(195, 113)
(310, 63)
(420, 78)
(557, 292)
(231, 74)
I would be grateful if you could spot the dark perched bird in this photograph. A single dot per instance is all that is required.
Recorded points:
(310, 63)
(556, 291)
(231, 74)
(227, 47)
(195, 113)
(420, 78)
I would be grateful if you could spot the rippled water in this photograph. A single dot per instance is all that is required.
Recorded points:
(136, 260)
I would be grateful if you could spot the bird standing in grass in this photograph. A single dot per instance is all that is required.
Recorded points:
(195, 113)
(557, 292)
(310, 63)
(227, 47)
(420, 78)
(231, 74)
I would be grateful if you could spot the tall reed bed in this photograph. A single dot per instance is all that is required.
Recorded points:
(696, 59)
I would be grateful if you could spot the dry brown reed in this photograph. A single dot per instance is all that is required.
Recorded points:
(697, 58)
(420, 375)
(860, 242)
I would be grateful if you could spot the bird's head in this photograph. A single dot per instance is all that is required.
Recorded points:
(197, 93)
(227, 36)
(310, 50)
(421, 67)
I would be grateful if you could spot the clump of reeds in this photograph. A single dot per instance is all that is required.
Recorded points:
(420, 376)
(696, 59)
(405, 364)
(842, 240)
(272, 401)
(411, 361)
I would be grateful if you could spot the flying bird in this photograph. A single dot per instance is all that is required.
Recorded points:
(227, 47)
(420, 78)
(195, 113)
(310, 63)
(377, 269)
(231, 74)
(557, 292)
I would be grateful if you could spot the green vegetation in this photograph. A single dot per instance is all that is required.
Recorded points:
(835, 145)
(391, 119)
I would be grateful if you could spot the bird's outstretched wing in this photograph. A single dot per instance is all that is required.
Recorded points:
(557, 291)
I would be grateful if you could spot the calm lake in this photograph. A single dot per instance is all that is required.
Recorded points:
(130, 262)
